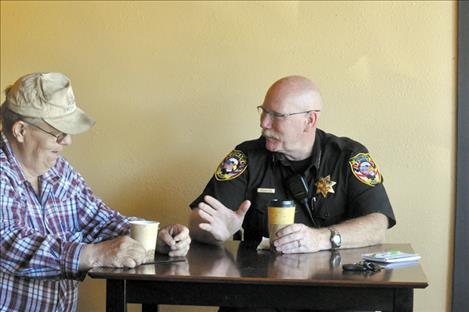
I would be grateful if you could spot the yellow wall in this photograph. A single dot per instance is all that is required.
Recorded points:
(174, 87)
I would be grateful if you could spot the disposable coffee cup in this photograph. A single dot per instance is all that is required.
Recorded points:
(145, 232)
(281, 213)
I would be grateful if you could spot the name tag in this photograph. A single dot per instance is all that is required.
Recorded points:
(266, 190)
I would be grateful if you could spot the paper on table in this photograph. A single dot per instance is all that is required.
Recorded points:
(391, 256)
(264, 244)
(396, 265)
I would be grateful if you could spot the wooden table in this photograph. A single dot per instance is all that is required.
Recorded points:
(237, 275)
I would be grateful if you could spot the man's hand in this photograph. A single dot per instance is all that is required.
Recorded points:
(174, 240)
(362, 231)
(218, 220)
(119, 252)
(298, 238)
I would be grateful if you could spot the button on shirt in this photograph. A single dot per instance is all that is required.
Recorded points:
(41, 236)
(266, 178)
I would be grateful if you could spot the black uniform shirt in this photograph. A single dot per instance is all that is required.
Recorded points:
(265, 175)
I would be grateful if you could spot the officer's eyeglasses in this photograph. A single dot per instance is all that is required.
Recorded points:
(58, 137)
(275, 115)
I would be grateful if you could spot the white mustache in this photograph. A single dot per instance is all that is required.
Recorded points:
(269, 135)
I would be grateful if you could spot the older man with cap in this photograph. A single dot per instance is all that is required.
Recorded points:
(52, 227)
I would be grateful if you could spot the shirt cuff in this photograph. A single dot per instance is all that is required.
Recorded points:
(71, 260)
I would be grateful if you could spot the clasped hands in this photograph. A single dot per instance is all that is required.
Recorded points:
(123, 251)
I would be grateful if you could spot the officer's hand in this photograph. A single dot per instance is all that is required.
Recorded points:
(121, 251)
(174, 240)
(221, 222)
(297, 238)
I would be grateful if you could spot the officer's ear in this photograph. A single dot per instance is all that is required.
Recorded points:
(312, 120)
(18, 130)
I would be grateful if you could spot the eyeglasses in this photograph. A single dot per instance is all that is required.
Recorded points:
(58, 137)
(262, 111)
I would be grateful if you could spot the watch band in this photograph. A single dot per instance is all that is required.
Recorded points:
(336, 239)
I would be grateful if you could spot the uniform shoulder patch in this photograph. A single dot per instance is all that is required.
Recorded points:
(232, 166)
(364, 169)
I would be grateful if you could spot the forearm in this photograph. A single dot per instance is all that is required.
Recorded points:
(100, 223)
(359, 232)
(30, 254)
(86, 258)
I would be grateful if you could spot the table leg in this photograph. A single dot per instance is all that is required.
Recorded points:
(116, 296)
(403, 300)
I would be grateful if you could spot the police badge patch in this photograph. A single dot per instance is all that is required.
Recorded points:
(364, 168)
(232, 166)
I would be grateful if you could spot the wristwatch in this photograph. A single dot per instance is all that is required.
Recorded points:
(335, 259)
(336, 239)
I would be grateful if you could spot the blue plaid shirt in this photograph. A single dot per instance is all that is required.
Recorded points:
(41, 236)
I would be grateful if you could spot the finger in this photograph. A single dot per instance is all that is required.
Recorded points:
(140, 252)
(136, 253)
(287, 239)
(285, 244)
(182, 234)
(182, 244)
(140, 259)
(205, 216)
(179, 252)
(290, 247)
(131, 245)
(129, 263)
(243, 208)
(207, 209)
(301, 249)
(206, 227)
(292, 228)
(166, 238)
(214, 203)
(137, 256)
(182, 241)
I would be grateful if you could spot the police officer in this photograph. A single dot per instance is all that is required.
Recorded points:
(337, 187)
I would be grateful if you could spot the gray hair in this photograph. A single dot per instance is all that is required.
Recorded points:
(9, 117)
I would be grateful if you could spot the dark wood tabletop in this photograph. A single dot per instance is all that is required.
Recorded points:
(237, 274)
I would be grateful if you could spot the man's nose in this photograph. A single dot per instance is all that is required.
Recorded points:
(67, 140)
(266, 121)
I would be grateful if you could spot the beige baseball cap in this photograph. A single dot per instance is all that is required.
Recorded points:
(48, 96)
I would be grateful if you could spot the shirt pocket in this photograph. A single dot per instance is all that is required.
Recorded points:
(61, 216)
(262, 200)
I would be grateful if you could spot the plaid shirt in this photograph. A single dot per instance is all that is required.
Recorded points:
(41, 236)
